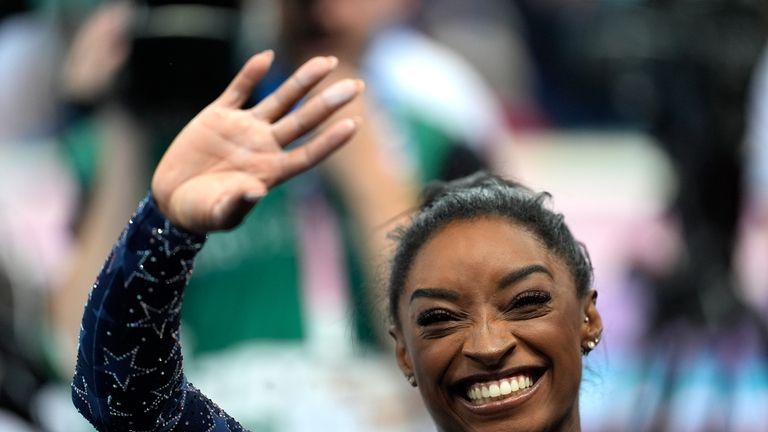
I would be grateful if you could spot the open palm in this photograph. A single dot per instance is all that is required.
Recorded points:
(227, 157)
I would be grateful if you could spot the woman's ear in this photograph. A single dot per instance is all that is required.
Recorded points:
(592, 327)
(401, 353)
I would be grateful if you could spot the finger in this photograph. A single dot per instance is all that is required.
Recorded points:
(316, 110)
(239, 90)
(310, 154)
(295, 88)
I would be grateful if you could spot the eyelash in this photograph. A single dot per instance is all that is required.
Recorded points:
(530, 298)
(526, 301)
(529, 304)
(434, 316)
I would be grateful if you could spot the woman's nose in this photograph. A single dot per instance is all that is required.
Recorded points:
(489, 343)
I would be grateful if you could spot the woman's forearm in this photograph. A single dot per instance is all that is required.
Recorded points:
(129, 372)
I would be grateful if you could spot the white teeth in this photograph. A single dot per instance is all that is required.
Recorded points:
(485, 392)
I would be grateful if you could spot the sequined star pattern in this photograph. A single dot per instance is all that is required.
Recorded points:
(157, 319)
(123, 367)
(129, 374)
(82, 393)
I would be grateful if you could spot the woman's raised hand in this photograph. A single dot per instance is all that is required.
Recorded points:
(226, 158)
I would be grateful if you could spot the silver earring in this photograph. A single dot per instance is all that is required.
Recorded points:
(586, 319)
(412, 380)
(591, 345)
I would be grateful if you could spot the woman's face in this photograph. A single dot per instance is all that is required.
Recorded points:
(492, 330)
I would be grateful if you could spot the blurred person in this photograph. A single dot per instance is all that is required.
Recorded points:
(119, 108)
(404, 67)
(417, 131)
(491, 332)
(138, 102)
(489, 34)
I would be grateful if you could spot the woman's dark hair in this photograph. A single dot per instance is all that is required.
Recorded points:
(481, 195)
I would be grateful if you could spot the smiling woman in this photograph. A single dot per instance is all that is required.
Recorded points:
(492, 309)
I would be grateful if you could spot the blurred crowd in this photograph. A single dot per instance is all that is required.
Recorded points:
(646, 119)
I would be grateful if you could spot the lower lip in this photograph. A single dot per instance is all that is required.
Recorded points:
(500, 406)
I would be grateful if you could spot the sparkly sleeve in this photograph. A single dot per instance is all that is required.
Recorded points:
(129, 366)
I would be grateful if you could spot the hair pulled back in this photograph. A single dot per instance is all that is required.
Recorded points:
(482, 195)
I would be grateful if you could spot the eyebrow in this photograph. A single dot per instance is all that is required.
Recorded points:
(435, 293)
(522, 273)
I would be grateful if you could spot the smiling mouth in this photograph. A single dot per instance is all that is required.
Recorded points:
(485, 392)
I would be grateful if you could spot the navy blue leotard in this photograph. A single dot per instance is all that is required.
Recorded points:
(129, 374)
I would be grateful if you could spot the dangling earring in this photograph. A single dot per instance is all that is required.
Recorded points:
(412, 380)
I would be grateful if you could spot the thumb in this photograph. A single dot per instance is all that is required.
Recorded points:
(214, 203)
(230, 211)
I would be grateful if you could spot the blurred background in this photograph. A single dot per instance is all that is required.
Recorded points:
(646, 119)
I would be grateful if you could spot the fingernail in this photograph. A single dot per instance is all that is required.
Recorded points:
(360, 85)
(333, 61)
(340, 93)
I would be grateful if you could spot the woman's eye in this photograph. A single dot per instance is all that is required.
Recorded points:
(530, 301)
(434, 316)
